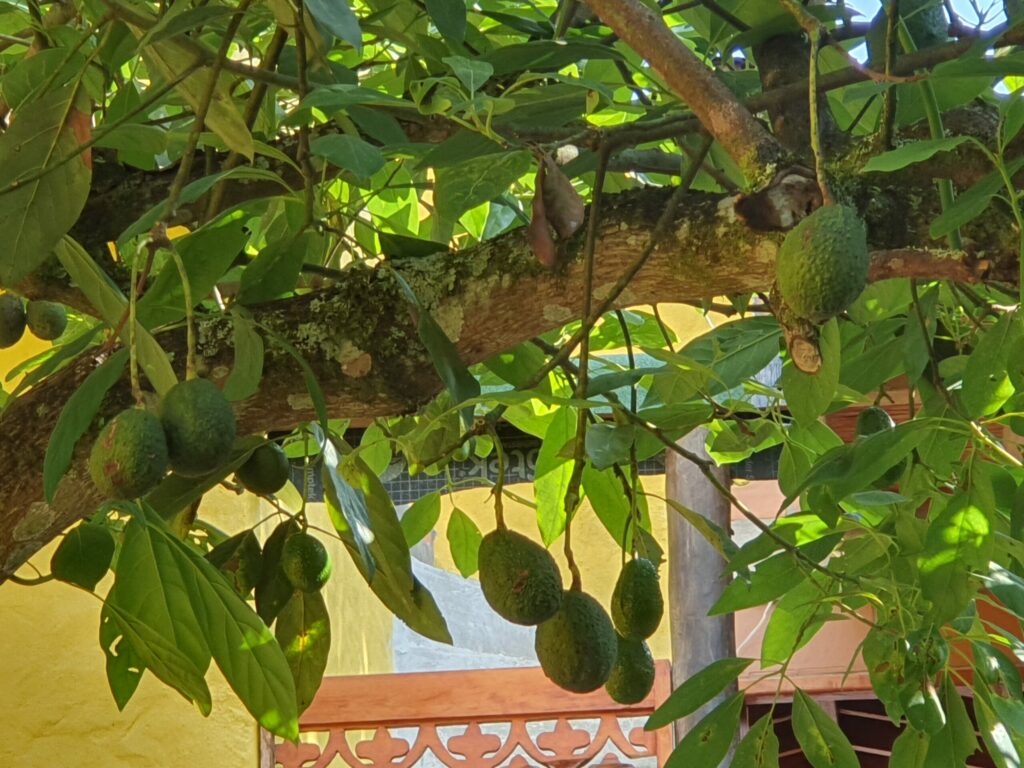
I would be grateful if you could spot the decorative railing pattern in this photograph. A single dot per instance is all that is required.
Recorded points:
(499, 718)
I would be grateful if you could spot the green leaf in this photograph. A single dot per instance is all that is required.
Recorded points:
(461, 384)
(807, 396)
(304, 633)
(156, 653)
(795, 620)
(107, 299)
(987, 384)
(608, 443)
(276, 268)
(773, 577)
(971, 203)
(823, 742)
(552, 474)
(464, 539)
(207, 254)
(419, 519)
(910, 749)
(84, 555)
(608, 499)
(171, 59)
(247, 371)
(337, 16)
(735, 351)
(44, 182)
(915, 152)
(997, 735)
(349, 153)
(694, 693)
(449, 17)
(474, 182)
(179, 19)
(708, 742)
(124, 665)
(239, 558)
(545, 55)
(959, 540)
(75, 419)
(245, 651)
(273, 590)
(759, 748)
(713, 534)
(471, 73)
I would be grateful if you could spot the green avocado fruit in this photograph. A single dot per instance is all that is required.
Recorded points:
(129, 457)
(265, 471)
(637, 604)
(46, 319)
(632, 676)
(12, 320)
(200, 426)
(577, 647)
(519, 578)
(871, 421)
(823, 263)
(305, 562)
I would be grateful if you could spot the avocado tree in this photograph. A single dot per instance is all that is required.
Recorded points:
(429, 217)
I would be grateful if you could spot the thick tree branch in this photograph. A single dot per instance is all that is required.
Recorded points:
(715, 106)
(359, 338)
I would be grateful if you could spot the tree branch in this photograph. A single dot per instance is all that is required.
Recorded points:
(715, 106)
(360, 340)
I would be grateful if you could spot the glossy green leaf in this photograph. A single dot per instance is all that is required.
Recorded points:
(76, 417)
(608, 443)
(449, 16)
(914, 152)
(759, 748)
(808, 396)
(823, 742)
(275, 270)
(972, 202)
(339, 19)
(44, 181)
(304, 633)
(419, 519)
(273, 590)
(987, 384)
(551, 475)
(473, 182)
(909, 750)
(464, 540)
(708, 742)
(247, 369)
(471, 73)
(350, 153)
(692, 694)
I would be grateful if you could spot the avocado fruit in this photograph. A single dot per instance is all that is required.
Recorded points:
(129, 457)
(577, 646)
(46, 319)
(200, 426)
(637, 605)
(632, 676)
(871, 421)
(822, 265)
(519, 578)
(12, 320)
(305, 562)
(265, 471)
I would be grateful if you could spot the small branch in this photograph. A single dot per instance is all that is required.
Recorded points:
(717, 108)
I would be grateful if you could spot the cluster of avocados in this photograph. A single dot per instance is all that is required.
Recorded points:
(45, 319)
(822, 265)
(578, 645)
(191, 433)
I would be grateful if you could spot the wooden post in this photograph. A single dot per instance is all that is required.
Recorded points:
(695, 579)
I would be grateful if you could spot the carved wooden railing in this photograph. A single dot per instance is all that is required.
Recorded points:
(496, 718)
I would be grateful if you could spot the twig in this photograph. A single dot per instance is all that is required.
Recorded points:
(303, 153)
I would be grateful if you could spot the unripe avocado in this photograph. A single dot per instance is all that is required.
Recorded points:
(823, 263)
(870, 421)
(632, 675)
(305, 562)
(576, 647)
(266, 470)
(12, 320)
(200, 426)
(129, 456)
(46, 319)
(519, 578)
(637, 604)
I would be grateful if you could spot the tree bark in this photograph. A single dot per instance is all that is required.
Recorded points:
(359, 337)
